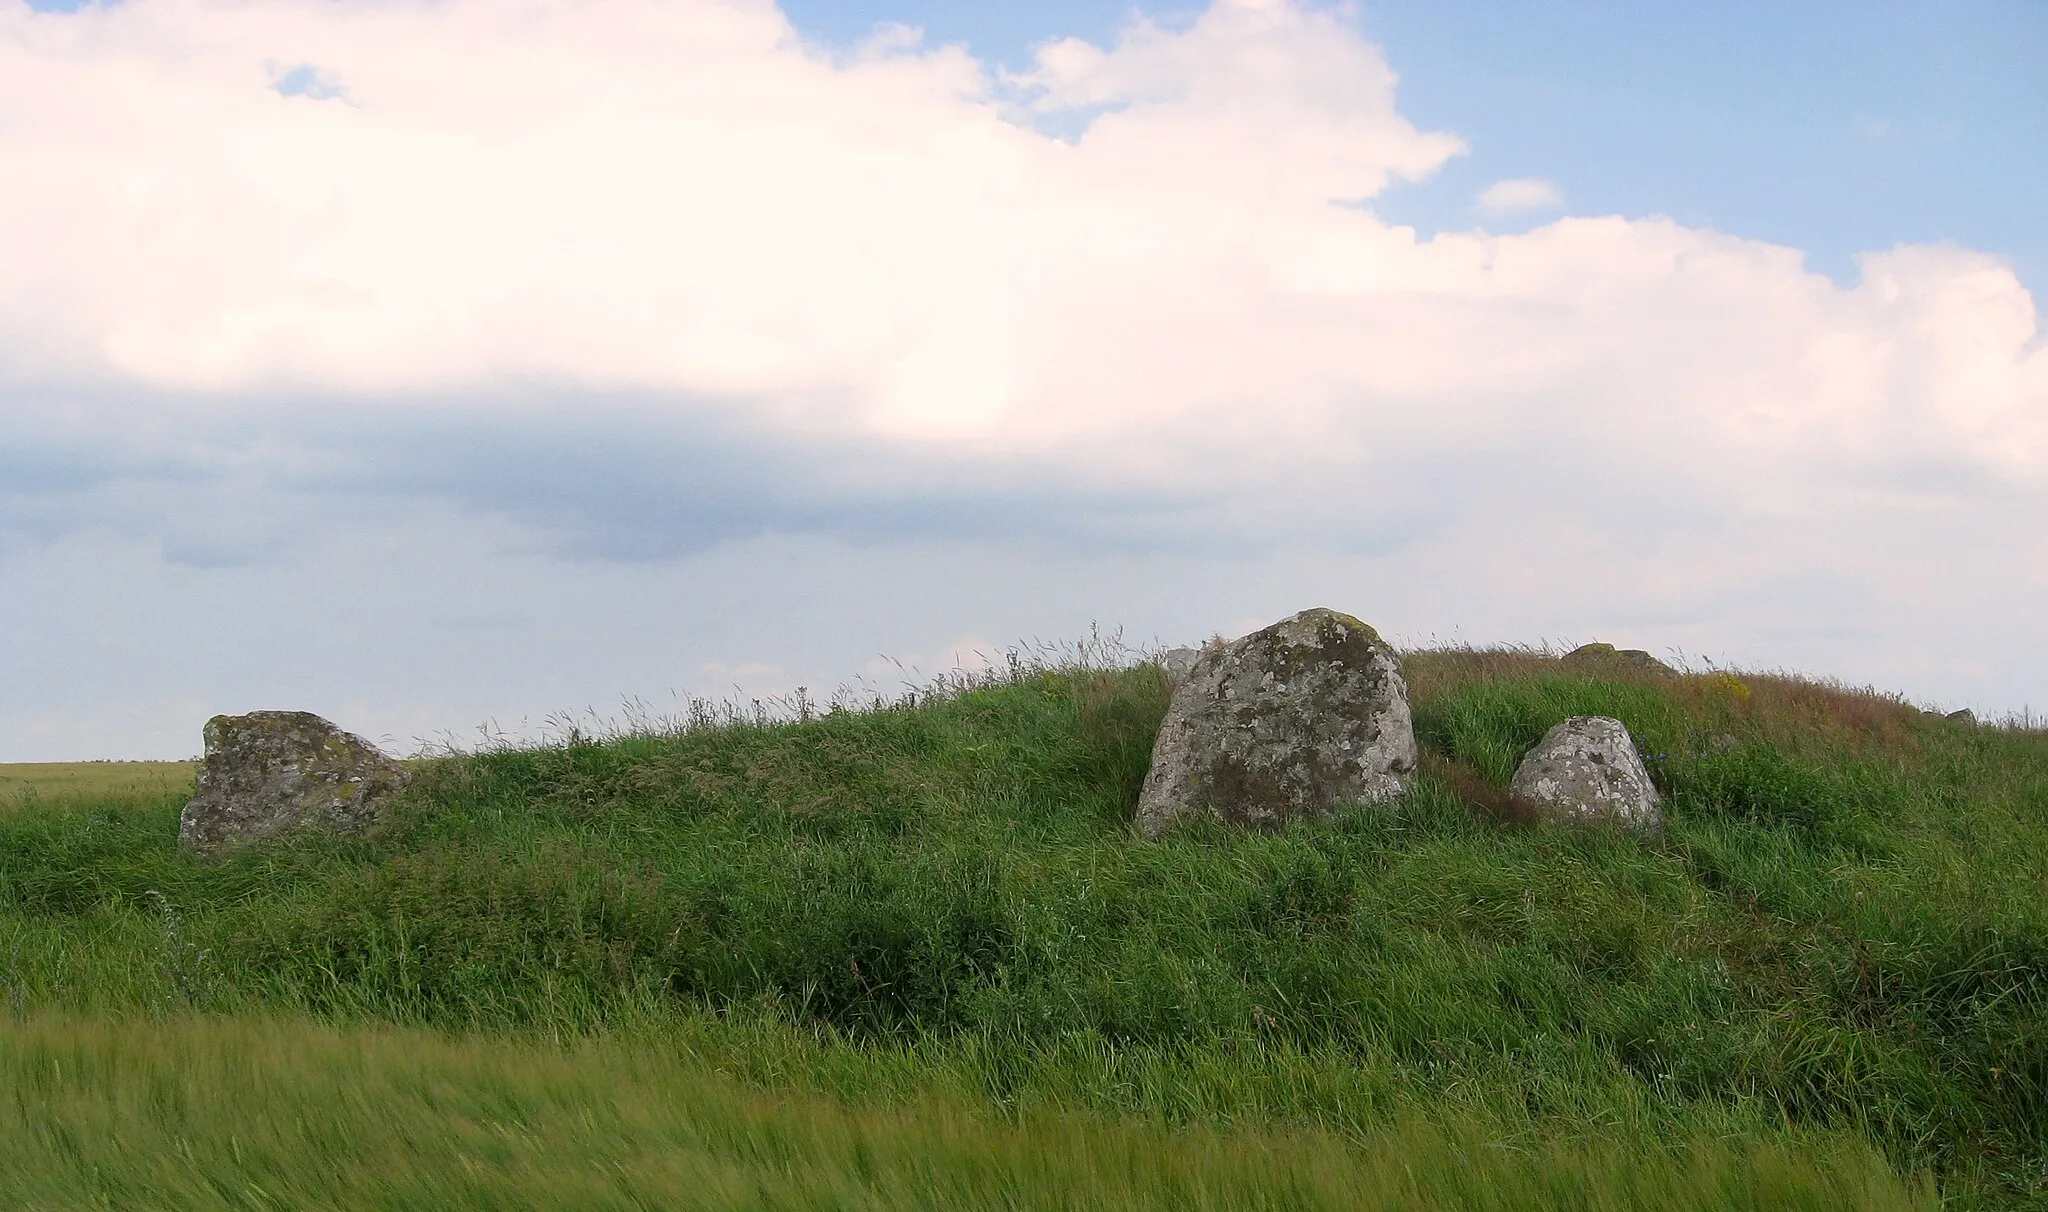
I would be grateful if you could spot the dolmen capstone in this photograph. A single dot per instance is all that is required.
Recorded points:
(1586, 771)
(271, 772)
(1284, 724)
(1607, 659)
(1178, 662)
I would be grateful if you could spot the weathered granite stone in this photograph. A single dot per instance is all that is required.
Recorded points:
(1965, 716)
(270, 772)
(1286, 723)
(1606, 658)
(1586, 771)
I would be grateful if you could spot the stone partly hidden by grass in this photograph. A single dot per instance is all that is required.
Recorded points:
(917, 956)
(272, 772)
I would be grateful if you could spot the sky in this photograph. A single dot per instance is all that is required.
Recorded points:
(455, 368)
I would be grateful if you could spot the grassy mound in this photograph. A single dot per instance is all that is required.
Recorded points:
(1843, 930)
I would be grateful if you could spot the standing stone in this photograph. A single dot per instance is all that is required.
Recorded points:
(1284, 724)
(1586, 771)
(271, 772)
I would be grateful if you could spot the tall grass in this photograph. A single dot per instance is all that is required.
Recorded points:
(1841, 930)
(260, 1114)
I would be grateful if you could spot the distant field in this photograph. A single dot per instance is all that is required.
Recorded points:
(95, 780)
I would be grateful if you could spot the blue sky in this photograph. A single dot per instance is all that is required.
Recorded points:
(437, 363)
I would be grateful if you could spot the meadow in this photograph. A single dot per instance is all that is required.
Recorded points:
(911, 954)
(125, 781)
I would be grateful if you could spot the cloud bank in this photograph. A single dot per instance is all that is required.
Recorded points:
(630, 280)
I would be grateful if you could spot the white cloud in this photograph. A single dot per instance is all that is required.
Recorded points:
(685, 198)
(1162, 326)
(1517, 194)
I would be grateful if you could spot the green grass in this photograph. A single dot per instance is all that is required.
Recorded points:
(260, 1114)
(1841, 937)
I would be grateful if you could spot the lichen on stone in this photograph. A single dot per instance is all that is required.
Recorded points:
(1586, 771)
(269, 773)
(1284, 724)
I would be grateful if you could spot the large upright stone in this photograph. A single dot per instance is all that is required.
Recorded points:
(271, 772)
(1586, 771)
(1283, 724)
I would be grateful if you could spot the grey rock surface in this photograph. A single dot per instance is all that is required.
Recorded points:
(1586, 771)
(1284, 724)
(1179, 662)
(1606, 658)
(270, 772)
(1965, 716)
